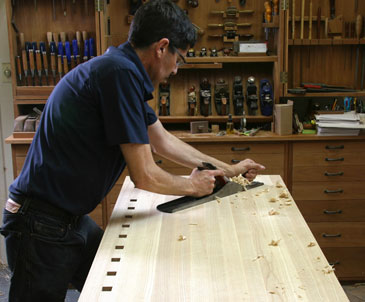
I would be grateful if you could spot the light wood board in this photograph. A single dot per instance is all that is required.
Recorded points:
(225, 254)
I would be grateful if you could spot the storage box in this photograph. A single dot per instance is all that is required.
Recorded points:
(283, 117)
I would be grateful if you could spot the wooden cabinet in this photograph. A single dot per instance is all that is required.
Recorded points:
(327, 49)
(329, 190)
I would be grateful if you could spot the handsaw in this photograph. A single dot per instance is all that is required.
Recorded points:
(222, 189)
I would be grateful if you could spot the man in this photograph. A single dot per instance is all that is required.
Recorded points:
(96, 122)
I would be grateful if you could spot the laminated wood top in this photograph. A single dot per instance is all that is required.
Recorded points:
(250, 246)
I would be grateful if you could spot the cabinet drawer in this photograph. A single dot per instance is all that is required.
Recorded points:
(339, 234)
(329, 147)
(328, 160)
(332, 210)
(243, 149)
(348, 263)
(334, 173)
(328, 190)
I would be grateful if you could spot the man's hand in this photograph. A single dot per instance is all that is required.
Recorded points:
(248, 168)
(203, 181)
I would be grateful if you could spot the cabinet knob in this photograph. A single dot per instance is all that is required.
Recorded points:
(335, 147)
(333, 191)
(335, 159)
(240, 149)
(333, 174)
(332, 212)
(331, 235)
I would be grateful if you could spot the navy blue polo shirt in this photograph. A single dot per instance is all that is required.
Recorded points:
(75, 157)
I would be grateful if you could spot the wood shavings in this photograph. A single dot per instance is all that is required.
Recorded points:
(328, 270)
(181, 238)
(273, 199)
(240, 180)
(193, 224)
(258, 257)
(218, 199)
(273, 212)
(279, 184)
(288, 203)
(311, 244)
(272, 292)
(284, 194)
(274, 242)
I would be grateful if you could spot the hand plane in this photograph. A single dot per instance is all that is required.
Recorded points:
(223, 187)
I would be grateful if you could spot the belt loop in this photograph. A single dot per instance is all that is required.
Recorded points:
(24, 208)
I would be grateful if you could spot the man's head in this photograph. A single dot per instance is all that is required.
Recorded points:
(161, 33)
(158, 19)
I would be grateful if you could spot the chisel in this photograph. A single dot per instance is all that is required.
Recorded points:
(86, 50)
(75, 52)
(25, 66)
(31, 64)
(60, 59)
(302, 21)
(37, 66)
(67, 63)
(91, 48)
(18, 65)
(53, 61)
(42, 47)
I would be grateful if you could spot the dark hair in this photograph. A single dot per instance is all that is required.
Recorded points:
(158, 19)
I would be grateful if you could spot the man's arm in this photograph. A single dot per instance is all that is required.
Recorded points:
(146, 175)
(172, 148)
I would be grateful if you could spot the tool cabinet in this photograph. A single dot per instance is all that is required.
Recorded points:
(329, 191)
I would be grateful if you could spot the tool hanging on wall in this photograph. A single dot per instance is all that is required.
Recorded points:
(205, 95)
(192, 3)
(266, 97)
(251, 96)
(232, 12)
(267, 18)
(238, 98)
(221, 97)
(164, 99)
(42, 47)
(192, 103)
(52, 49)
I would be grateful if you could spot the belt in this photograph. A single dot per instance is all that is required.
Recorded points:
(35, 205)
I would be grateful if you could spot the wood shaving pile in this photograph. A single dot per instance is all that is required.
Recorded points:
(284, 195)
(273, 199)
(241, 180)
(328, 270)
(273, 212)
(181, 238)
(274, 242)
(311, 244)
(218, 199)
(279, 184)
(258, 257)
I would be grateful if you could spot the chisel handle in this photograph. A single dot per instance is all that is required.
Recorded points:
(60, 67)
(358, 26)
(31, 60)
(302, 21)
(49, 37)
(21, 40)
(65, 64)
(25, 62)
(19, 68)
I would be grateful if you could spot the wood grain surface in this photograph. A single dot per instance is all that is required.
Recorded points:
(231, 249)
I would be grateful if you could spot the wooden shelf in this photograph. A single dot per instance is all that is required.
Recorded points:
(231, 59)
(316, 42)
(328, 94)
(214, 118)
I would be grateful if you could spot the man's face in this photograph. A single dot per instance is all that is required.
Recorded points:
(170, 63)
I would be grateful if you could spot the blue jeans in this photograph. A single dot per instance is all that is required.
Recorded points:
(45, 253)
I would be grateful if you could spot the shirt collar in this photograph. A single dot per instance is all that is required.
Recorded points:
(128, 49)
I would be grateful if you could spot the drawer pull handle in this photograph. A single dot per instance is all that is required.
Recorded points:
(335, 159)
(333, 191)
(332, 212)
(334, 263)
(335, 147)
(235, 161)
(158, 161)
(240, 149)
(331, 235)
(333, 174)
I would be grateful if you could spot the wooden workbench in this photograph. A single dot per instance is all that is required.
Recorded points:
(250, 246)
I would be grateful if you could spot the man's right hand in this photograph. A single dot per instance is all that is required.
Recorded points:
(203, 181)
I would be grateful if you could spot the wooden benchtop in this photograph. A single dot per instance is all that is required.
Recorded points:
(250, 246)
(262, 136)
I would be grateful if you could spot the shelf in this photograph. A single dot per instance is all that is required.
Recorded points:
(215, 119)
(327, 94)
(316, 42)
(33, 92)
(231, 59)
